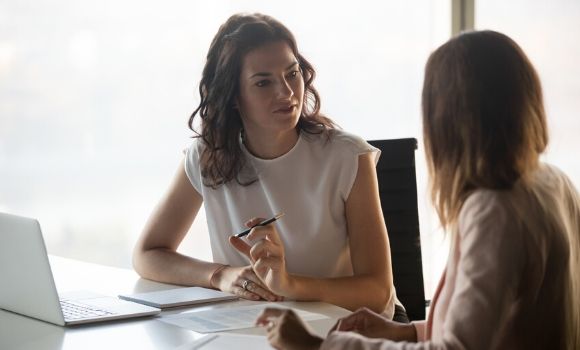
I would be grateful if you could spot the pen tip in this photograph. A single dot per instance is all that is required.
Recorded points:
(278, 216)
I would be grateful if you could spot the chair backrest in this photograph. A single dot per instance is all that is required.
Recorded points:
(398, 193)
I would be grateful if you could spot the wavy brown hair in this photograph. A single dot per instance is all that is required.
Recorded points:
(222, 158)
(484, 124)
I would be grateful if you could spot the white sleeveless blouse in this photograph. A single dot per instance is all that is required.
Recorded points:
(309, 184)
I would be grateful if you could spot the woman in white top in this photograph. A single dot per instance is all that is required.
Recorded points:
(513, 275)
(264, 148)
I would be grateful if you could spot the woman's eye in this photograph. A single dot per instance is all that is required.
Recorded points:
(293, 74)
(262, 83)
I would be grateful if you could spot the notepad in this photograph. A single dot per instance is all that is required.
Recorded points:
(179, 297)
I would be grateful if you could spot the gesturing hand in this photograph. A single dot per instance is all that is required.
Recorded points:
(232, 280)
(267, 256)
(286, 330)
(373, 325)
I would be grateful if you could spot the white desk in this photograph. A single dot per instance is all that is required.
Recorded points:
(19, 332)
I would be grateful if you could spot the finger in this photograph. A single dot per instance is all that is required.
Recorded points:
(334, 328)
(245, 294)
(352, 321)
(269, 314)
(274, 339)
(265, 232)
(261, 291)
(260, 287)
(250, 275)
(258, 232)
(253, 222)
(241, 246)
(364, 313)
(348, 323)
(361, 312)
(365, 310)
(265, 248)
(340, 326)
(262, 265)
(290, 314)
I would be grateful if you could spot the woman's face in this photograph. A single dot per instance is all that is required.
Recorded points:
(271, 89)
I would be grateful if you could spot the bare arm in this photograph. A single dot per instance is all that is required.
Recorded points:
(369, 249)
(155, 256)
(371, 284)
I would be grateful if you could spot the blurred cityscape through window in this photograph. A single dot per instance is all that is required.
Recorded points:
(95, 98)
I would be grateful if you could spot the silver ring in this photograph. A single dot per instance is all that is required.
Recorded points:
(245, 284)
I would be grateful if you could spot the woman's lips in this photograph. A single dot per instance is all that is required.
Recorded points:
(285, 110)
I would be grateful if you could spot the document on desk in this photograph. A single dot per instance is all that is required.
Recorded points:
(228, 341)
(228, 318)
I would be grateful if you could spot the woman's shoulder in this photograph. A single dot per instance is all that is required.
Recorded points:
(339, 140)
(494, 205)
(543, 177)
(346, 138)
(194, 146)
(551, 174)
(487, 219)
(483, 203)
(531, 199)
(192, 153)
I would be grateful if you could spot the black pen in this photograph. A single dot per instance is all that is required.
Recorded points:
(263, 223)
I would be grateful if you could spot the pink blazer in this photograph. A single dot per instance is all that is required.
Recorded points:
(506, 283)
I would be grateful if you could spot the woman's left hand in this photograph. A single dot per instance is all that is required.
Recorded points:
(372, 325)
(267, 256)
(286, 330)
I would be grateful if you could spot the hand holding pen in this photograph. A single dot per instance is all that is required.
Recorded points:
(242, 280)
(266, 252)
(262, 223)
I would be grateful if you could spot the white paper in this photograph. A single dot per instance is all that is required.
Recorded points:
(228, 318)
(228, 341)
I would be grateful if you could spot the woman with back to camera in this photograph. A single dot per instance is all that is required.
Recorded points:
(512, 279)
(264, 148)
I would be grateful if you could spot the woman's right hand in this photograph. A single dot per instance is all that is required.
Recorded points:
(231, 279)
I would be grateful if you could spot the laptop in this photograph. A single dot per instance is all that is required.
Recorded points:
(28, 288)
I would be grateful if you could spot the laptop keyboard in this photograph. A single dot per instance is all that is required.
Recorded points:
(73, 310)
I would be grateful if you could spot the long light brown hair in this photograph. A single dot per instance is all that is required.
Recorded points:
(222, 159)
(484, 127)
(484, 124)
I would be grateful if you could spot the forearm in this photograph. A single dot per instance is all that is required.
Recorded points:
(348, 292)
(167, 266)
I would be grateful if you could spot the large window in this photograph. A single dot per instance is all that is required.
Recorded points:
(95, 95)
(548, 31)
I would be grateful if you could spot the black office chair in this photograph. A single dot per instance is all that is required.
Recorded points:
(398, 193)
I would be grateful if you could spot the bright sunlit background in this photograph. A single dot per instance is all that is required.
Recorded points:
(95, 97)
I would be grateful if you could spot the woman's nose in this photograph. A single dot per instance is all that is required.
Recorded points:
(284, 90)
